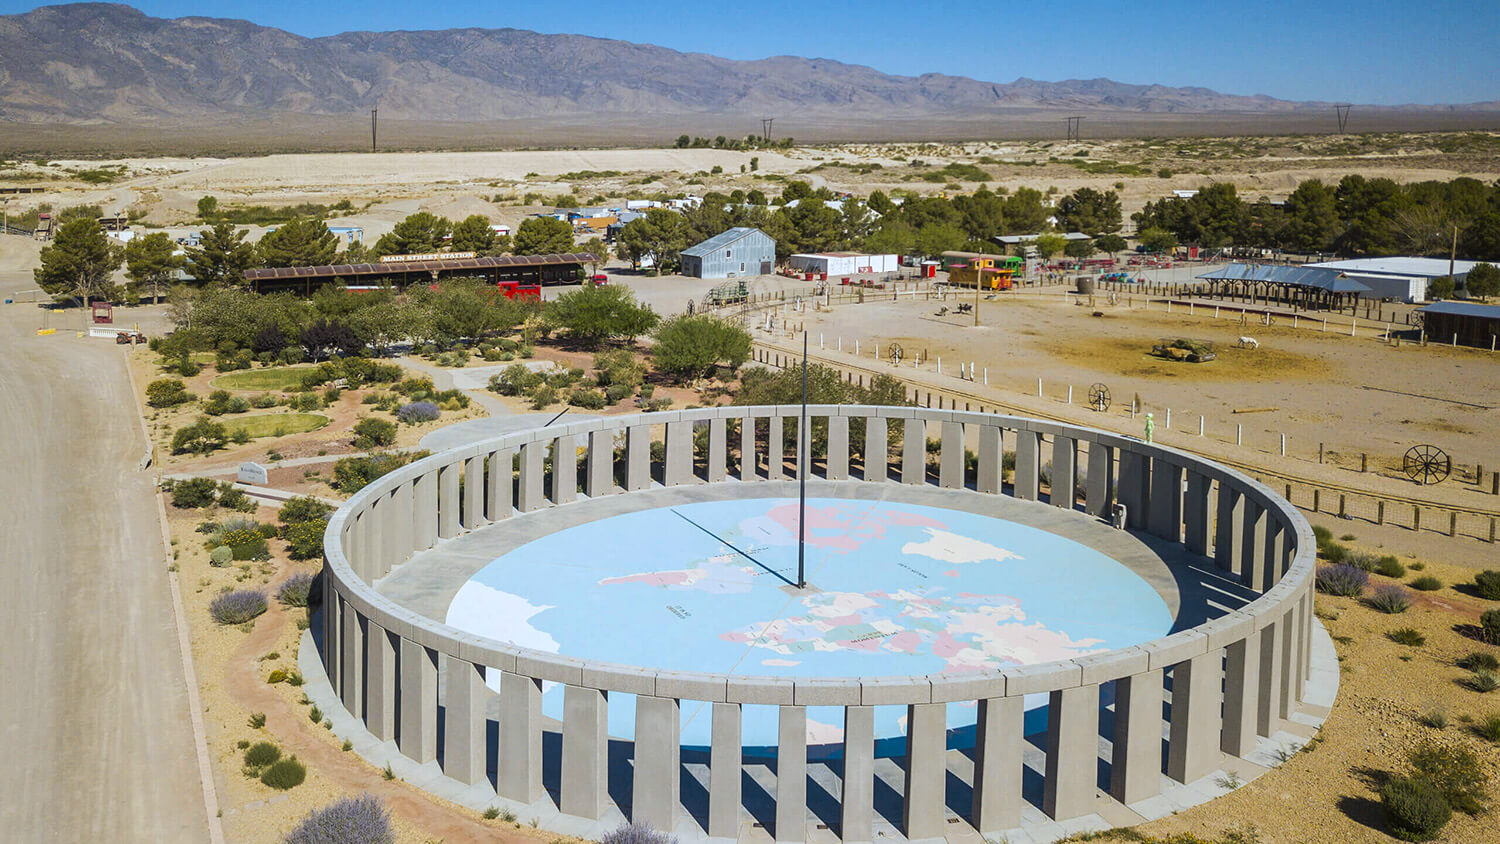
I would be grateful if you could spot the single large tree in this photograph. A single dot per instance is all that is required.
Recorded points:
(658, 237)
(593, 315)
(1090, 211)
(300, 243)
(78, 263)
(473, 234)
(221, 256)
(418, 234)
(151, 262)
(1312, 218)
(543, 236)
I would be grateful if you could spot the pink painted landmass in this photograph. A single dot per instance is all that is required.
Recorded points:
(849, 532)
(656, 578)
(905, 642)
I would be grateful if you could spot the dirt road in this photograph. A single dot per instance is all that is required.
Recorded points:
(96, 732)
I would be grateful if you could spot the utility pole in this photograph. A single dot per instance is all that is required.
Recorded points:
(802, 449)
(765, 128)
(374, 113)
(978, 282)
(1074, 129)
(1451, 259)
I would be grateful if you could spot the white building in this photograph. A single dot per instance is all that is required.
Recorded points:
(844, 263)
(1398, 279)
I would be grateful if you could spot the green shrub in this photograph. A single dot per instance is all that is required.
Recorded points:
(1437, 719)
(543, 397)
(1488, 727)
(304, 540)
(257, 720)
(307, 401)
(261, 754)
(515, 380)
(284, 774)
(1390, 598)
(1487, 585)
(1415, 808)
(277, 675)
(220, 402)
(1489, 626)
(1407, 636)
(1455, 772)
(587, 399)
(1321, 535)
(202, 437)
(371, 432)
(315, 715)
(1479, 661)
(616, 393)
(1334, 552)
(1363, 560)
(220, 556)
(234, 498)
(351, 474)
(1389, 566)
(1427, 583)
(1482, 681)
(167, 392)
(264, 400)
(194, 493)
(186, 367)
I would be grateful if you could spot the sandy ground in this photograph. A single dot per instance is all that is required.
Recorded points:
(96, 715)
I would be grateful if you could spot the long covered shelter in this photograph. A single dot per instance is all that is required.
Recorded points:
(528, 269)
(1464, 323)
(1309, 288)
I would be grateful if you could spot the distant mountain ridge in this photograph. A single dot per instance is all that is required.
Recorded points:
(96, 63)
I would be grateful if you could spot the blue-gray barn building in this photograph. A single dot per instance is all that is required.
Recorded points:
(737, 252)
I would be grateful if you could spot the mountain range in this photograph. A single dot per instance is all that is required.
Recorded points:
(103, 64)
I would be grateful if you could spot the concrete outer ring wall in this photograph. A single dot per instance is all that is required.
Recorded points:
(1233, 678)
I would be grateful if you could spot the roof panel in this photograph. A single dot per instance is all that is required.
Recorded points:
(1468, 309)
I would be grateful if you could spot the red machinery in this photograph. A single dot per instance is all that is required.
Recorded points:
(516, 290)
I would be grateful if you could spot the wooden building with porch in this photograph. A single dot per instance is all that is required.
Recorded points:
(425, 269)
(1464, 323)
(1303, 288)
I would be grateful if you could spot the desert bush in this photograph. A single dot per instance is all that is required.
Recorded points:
(264, 400)
(261, 754)
(587, 399)
(616, 393)
(1333, 552)
(1455, 772)
(351, 474)
(237, 607)
(303, 508)
(1437, 719)
(257, 720)
(418, 412)
(1479, 661)
(1389, 566)
(1482, 681)
(694, 346)
(194, 493)
(308, 401)
(1407, 636)
(220, 402)
(221, 556)
(277, 675)
(1487, 585)
(304, 540)
(1363, 560)
(234, 498)
(515, 380)
(543, 397)
(167, 392)
(1321, 535)
(348, 820)
(284, 774)
(202, 437)
(1427, 583)
(1390, 598)
(186, 366)
(371, 432)
(1488, 727)
(635, 833)
(294, 590)
(1489, 626)
(1343, 580)
(1415, 808)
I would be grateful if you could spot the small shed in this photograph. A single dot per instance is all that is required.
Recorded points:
(1465, 323)
(737, 252)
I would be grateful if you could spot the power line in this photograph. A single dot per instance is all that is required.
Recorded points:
(765, 128)
(1074, 129)
(1342, 110)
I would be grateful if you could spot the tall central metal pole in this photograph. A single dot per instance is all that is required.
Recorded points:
(802, 476)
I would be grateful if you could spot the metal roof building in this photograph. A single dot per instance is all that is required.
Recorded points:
(1468, 323)
(530, 269)
(1400, 278)
(1315, 288)
(739, 251)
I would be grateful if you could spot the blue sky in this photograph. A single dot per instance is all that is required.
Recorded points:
(1362, 51)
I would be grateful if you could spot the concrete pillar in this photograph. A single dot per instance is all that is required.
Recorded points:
(585, 752)
(519, 777)
(1101, 480)
(1290, 642)
(724, 771)
(529, 491)
(658, 750)
(1304, 644)
(354, 543)
(1229, 530)
(637, 458)
(1072, 752)
(1166, 500)
(1253, 546)
(330, 619)
(748, 471)
(351, 671)
(679, 468)
(1193, 740)
(791, 773)
(1195, 513)
(999, 742)
(1064, 472)
(464, 700)
(473, 492)
(877, 449)
(418, 712)
(1268, 698)
(836, 462)
(857, 805)
(1135, 487)
(991, 465)
(1028, 465)
(718, 451)
(400, 535)
(951, 458)
(914, 452)
(776, 448)
(1275, 550)
(376, 552)
(500, 481)
(926, 770)
(380, 682)
(600, 464)
(425, 515)
(1241, 696)
(448, 504)
(1135, 760)
(564, 469)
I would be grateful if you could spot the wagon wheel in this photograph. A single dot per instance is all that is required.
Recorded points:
(1418, 319)
(894, 353)
(1427, 464)
(1099, 398)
